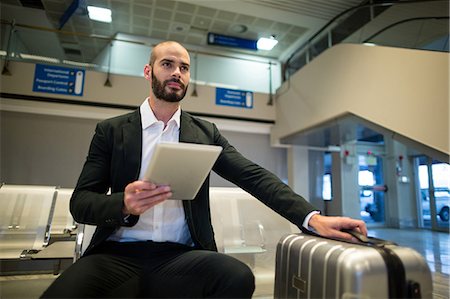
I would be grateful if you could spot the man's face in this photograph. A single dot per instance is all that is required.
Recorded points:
(164, 90)
(170, 72)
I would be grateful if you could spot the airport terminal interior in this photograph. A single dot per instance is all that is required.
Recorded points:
(346, 101)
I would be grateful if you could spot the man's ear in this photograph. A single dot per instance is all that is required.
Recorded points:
(148, 72)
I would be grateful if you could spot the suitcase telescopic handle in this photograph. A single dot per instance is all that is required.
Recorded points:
(367, 240)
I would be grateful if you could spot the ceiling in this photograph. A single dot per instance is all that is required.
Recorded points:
(292, 22)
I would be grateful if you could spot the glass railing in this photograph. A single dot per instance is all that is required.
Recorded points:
(406, 24)
(410, 33)
(126, 54)
(410, 24)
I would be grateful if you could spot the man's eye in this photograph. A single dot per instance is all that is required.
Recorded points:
(184, 68)
(166, 64)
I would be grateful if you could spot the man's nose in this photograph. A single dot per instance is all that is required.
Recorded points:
(177, 72)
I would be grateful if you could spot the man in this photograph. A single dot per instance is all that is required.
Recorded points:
(146, 245)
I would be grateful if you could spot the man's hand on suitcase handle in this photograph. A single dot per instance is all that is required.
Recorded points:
(329, 226)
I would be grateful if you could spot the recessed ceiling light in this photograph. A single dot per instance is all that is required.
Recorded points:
(265, 43)
(179, 27)
(239, 28)
(99, 14)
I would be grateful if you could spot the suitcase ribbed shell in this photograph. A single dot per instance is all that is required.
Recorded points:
(315, 267)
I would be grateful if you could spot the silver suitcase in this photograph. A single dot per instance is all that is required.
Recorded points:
(310, 266)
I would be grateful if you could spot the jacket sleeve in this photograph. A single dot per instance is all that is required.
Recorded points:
(260, 183)
(90, 203)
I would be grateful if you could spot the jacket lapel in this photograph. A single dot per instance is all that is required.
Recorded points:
(187, 131)
(188, 134)
(132, 145)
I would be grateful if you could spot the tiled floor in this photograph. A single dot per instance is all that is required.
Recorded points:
(434, 246)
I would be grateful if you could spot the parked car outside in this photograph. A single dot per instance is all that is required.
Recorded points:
(442, 197)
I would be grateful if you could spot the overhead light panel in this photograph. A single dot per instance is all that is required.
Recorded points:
(99, 14)
(265, 43)
(38, 57)
(82, 64)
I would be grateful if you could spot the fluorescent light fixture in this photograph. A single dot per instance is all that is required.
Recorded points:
(38, 57)
(99, 14)
(369, 44)
(265, 43)
(82, 64)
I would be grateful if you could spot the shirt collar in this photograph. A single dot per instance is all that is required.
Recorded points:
(148, 118)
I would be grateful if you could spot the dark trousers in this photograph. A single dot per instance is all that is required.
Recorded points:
(153, 270)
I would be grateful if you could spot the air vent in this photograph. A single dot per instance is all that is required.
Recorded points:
(32, 4)
(72, 51)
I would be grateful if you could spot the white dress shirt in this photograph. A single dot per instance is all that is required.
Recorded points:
(165, 222)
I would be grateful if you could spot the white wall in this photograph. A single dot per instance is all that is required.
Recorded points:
(46, 143)
(131, 91)
(402, 90)
(50, 149)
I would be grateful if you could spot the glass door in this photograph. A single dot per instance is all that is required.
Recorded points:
(371, 184)
(433, 193)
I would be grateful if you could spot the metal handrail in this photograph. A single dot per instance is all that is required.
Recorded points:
(307, 44)
(402, 22)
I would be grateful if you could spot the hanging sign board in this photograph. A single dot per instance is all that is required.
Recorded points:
(234, 98)
(57, 79)
(231, 41)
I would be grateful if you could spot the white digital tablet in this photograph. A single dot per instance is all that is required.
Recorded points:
(182, 166)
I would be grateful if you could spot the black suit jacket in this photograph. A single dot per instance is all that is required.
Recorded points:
(114, 161)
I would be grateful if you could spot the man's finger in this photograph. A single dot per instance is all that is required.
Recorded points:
(145, 194)
(138, 186)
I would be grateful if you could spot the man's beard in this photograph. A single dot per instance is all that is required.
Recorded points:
(160, 92)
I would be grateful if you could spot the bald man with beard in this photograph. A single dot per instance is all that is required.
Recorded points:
(146, 245)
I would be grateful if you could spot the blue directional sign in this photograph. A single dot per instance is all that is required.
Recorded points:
(235, 98)
(231, 41)
(57, 79)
